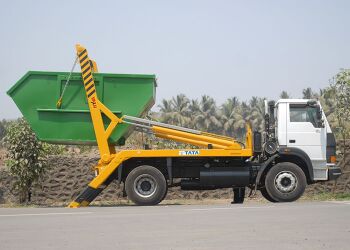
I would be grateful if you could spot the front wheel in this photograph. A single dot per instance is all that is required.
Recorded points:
(285, 182)
(146, 186)
(266, 195)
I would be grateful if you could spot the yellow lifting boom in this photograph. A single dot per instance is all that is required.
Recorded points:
(210, 145)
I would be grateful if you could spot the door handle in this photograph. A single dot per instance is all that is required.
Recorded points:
(291, 141)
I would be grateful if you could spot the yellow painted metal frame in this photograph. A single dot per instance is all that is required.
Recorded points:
(221, 146)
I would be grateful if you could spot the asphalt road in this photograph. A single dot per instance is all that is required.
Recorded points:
(299, 225)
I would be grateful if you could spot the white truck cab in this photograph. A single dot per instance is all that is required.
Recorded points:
(298, 148)
(301, 126)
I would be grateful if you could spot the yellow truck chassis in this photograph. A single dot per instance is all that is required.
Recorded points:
(210, 145)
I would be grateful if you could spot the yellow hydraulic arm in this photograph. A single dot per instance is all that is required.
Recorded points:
(212, 145)
(185, 135)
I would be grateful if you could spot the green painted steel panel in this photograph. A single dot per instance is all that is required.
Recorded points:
(37, 92)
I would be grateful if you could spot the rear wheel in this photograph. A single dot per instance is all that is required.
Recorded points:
(285, 182)
(146, 186)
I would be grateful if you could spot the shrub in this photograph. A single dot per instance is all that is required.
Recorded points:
(2, 130)
(25, 157)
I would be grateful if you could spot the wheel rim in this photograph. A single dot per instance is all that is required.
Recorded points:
(286, 182)
(145, 185)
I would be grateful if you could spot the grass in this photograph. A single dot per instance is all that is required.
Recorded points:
(328, 196)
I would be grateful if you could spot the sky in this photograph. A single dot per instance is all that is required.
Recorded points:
(219, 48)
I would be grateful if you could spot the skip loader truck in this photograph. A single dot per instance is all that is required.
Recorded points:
(296, 148)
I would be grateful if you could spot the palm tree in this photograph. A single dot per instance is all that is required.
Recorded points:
(166, 109)
(181, 113)
(207, 117)
(257, 112)
(194, 108)
(165, 106)
(231, 117)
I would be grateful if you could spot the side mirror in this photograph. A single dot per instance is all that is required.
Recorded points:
(318, 112)
(320, 121)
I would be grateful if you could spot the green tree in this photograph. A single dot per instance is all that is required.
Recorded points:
(284, 95)
(180, 113)
(25, 157)
(194, 109)
(207, 117)
(175, 111)
(309, 94)
(2, 130)
(341, 89)
(166, 109)
(231, 117)
(328, 101)
(166, 106)
(256, 113)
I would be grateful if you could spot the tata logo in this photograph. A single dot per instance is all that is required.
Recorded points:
(188, 152)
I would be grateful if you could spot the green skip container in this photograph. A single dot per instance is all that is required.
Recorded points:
(37, 92)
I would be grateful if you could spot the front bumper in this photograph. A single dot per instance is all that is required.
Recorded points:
(334, 172)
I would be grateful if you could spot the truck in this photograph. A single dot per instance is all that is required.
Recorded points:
(297, 147)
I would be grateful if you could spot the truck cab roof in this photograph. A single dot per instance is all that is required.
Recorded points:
(296, 101)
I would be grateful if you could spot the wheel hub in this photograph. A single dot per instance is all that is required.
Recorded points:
(145, 185)
(286, 182)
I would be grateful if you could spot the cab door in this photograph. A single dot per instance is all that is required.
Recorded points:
(304, 133)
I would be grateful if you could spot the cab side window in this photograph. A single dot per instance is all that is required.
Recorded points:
(302, 113)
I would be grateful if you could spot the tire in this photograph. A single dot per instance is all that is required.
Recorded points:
(146, 186)
(166, 191)
(285, 182)
(266, 195)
